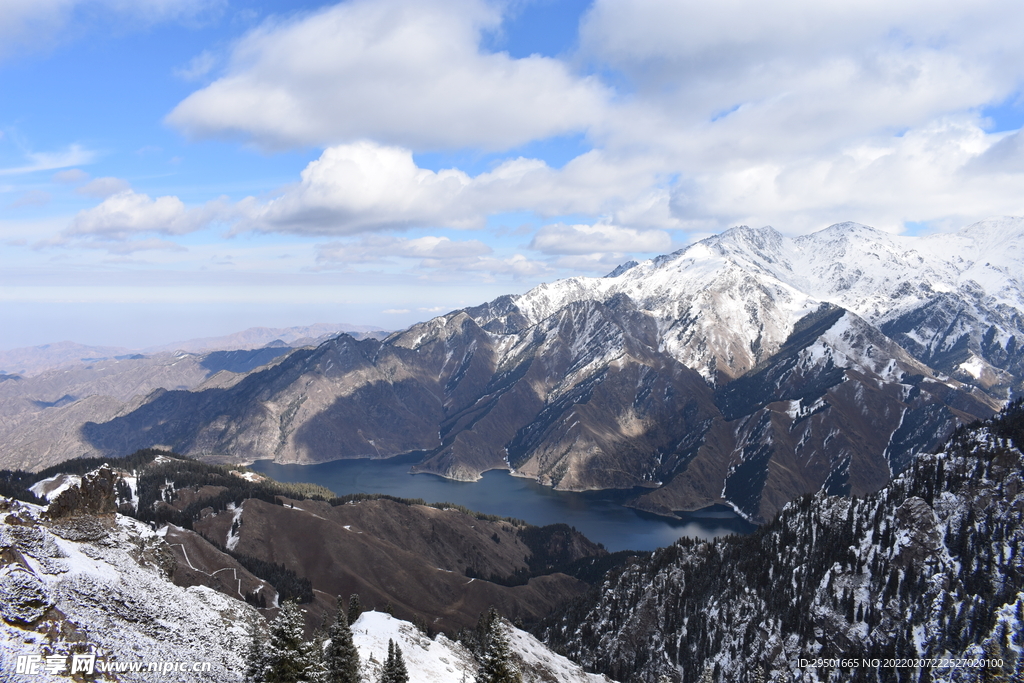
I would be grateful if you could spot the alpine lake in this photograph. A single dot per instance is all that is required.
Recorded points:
(600, 515)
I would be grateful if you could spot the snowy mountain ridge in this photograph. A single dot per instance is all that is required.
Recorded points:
(927, 570)
(718, 298)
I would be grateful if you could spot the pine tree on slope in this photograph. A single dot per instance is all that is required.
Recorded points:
(342, 655)
(255, 653)
(289, 658)
(498, 666)
(401, 674)
(355, 608)
(394, 670)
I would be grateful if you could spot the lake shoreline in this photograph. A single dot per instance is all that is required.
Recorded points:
(602, 515)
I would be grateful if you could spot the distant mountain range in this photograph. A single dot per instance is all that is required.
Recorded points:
(32, 360)
(746, 369)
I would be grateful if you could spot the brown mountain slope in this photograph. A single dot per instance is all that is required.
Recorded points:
(412, 557)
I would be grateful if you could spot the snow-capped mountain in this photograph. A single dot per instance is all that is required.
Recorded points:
(746, 369)
(731, 300)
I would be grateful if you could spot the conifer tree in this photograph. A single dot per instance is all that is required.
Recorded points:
(400, 672)
(394, 670)
(498, 666)
(342, 655)
(355, 608)
(289, 658)
(255, 654)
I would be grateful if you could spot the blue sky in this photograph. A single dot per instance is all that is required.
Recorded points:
(179, 168)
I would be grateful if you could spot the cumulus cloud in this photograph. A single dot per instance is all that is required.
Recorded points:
(800, 113)
(128, 213)
(401, 72)
(812, 68)
(1005, 156)
(598, 238)
(365, 186)
(796, 114)
(929, 172)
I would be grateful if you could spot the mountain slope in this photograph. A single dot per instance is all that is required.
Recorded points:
(747, 369)
(41, 416)
(929, 567)
(255, 539)
(98, 583)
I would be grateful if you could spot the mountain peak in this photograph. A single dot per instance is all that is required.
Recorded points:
(759, 238)
(622, 268)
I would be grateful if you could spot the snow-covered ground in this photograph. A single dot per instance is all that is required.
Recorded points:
(444, 661)
(51, 487)
(101, 586)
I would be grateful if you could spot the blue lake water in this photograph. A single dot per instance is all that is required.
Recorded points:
(599, 515)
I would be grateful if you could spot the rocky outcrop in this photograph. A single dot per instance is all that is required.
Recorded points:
(93, 496)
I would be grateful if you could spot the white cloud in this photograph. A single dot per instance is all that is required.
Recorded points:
(601, 264)
(128, 213)
(132, 246)
(74, 155)
(71, 176)
(802, 113)
(813, 61)
(401, 72)
(32, 198)
(928, 173)
(598, 238)
(197, 67)
(796, 114)
(364, 187)
(436, 258)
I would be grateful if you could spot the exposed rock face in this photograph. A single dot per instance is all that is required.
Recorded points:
(93, 496)
(746, 369)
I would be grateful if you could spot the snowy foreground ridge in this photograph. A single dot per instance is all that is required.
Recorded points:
(443, 661)
(99, 584)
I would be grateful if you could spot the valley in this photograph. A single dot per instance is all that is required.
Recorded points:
(744, 370)
(829, 425)
(602, 516)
